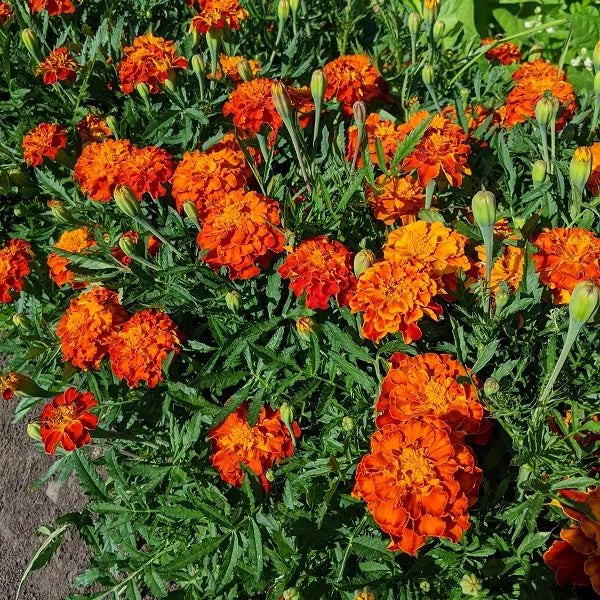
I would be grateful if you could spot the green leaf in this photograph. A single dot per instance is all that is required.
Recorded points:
(485, 356)
(89, 479)
(155, 583)
(255, 549)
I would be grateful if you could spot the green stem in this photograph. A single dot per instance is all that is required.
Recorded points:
(576, 198)
(488, 242)
(429, 189)
(413, 46)
(318, 105)
(434, 97)
(292, 131)
(360, 130)
(143, 261)
(596, 115)
(552, 145)
(544, 136)
(142, 222)
(356, 531)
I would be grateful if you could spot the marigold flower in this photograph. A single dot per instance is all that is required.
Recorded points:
(146, 170)
(593, 183)
(66, 421)
(251, 106)
(139, 348)
(235, 443)
(218, 14)
(508, 267)
(88, 326)
(426, 386)
(77, 242)
(303, 103)
(229, 64)
(394, 296)
(322, 269)
(154, 245)
(93, 129)
(6, 12)
(54, 7)
(59, 65)
(438, 248)
(564, 258)
(45, 140)
(375, 128)
(240, 233)
(351, 78)
(505, 53)
(396, 199)
(149, 60)
(15, 256)
(418, 481)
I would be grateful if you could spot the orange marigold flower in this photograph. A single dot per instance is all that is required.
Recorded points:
(100, 166)
(229, 64)
(6, 12)
(77, 242)
(394, 296)
(413, 122)
(154, 245)
(44, 140)
(375, 128)
(146, 170)
(508, 267)
(396, 199)
(352, 78)
(438, 248)
(93, 129)
(149, 60)
(59, 65)
(218, 14)
(203, 176)
(67, 421)
(88, 326)
(505, 53)
(302, 101)
(418, 481)
(442, 149)
(564, 258)
(236, 443)
(322, 269)
(593, 183)
(139, 348)
(251, 106)
(532, 81)
(15, 257)
(575, 558)
(240, 234)
(426, 386)
(54, 7)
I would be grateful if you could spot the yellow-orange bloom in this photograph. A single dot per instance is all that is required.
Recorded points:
(564, 258)
(76, 242)
(146, 170)
(59, 65)
(508, 267)
(505, 53)
(418, 481)
(396, 199)
(15, 257)
(229, 64)
(394, 296)
(218, 15)
(93, 128)
(88, 326)
(375, 128)
(45, 140)
(139, 348)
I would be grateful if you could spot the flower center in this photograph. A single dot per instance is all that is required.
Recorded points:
(62, 416)
(242, 437)
(436, 396)
(415, 466)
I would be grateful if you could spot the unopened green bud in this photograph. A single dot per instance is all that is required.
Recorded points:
(191, 211)
(113, 125)
(430, 11)
(233, 300)
(269, 475)
(34, 431)
(363, 261)
(245, 70)
(305, 326)
(21, 320)
(519, 222)
(32, 43)
(283, 10)
(291, 594)
(501, 298)
(581, 167)
(538, 172)
(470, 585)
(18, 211)
(597, 85)
(295, 5)
(213, 39)
(424, 586)
(18, 177)
(544, 110)
(318, 85)
(596, 57)
(126, 201)
(438, 30)
(21, 386)
(286, 412)
(359, 110)
(536, 52)
(143, 90)
(128, 246)
(484, 209)
(171, 80)
(198, 65)
(414, 23)
(584, 302)
(59, 211)
(491, 386)
(347, 424)
(428, 75)
(281, 100)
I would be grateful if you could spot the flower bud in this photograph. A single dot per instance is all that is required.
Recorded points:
(269, 475)
(21, 386)
(596, 57)
(536, 52)
(143, 90)
(305, 326)
(195, 36)
(519, 222)
(198, 65)
(347, 424)
(233, 300)
(291, 594)
(126, 201)
(33, 431)
(18, 177)
(470, 585)
(128, 246)
(544, 110)
(484, 209)
(283, 10)
(491, 386)
(171, 80)
(581, 167)
(501, 298)
(59, 211)
(363, 261)
(318, 85)
(294, 5)
(359, 110)
(428, 75)
(113, 125)
(584, 302)
(597, 85)
(286, 412)
(538, 172)
(19, 212)
(21, 320)
(424, 586)
(438, 30)
(32, 43)
(245, 70)
(430, 11)
(191, 211)
(281, 100)
(414, 23)
(213, 39)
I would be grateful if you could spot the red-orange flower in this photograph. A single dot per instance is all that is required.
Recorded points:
(138, 350)
(418, 481)
(6, 12)
(88, 326)
(505, 53)
(251, 106)
(426, 386)
(77, 242)
(593, 183)
(15, 257)
(93, 128)
(67, 421)
(394, 296)
(218, 14)
(45, 140)
(322, 269)
(375, 128)
(396, 199)
(507, 268)
(236, 443)
(146, 170)
(229, 64)
(442, 150)
(54, 7)
(564, 258)
(303, 103)
(240, 233)
(59, 65)
(352, 78)
(153, 243)
(149, 60)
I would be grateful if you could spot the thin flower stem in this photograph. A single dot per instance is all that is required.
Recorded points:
(544, 136)
(596, 115)
(359, 139)
(144, 262)
(576, 198)
(291, 130)
(552, 145)
(144, 223)
(488, 242)
(318, 106)
(413, 47)
(434, 97)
